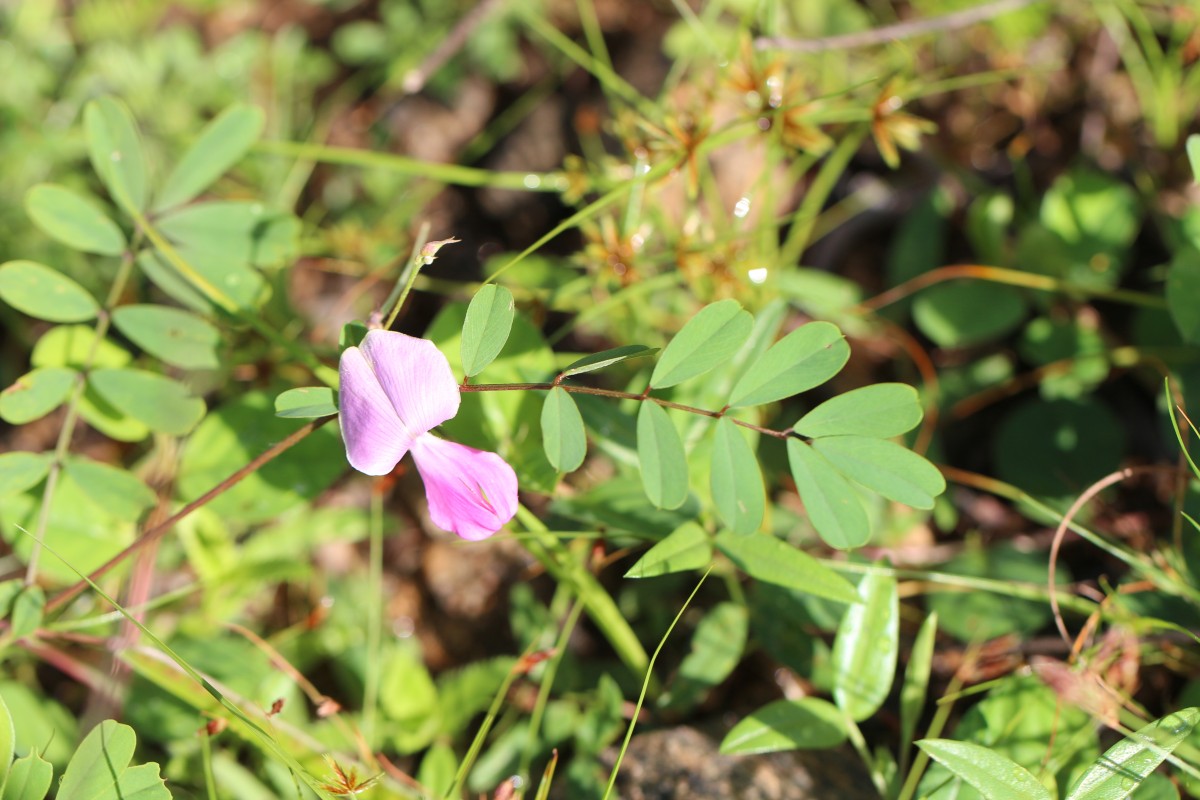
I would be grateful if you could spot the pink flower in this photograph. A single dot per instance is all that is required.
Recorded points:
(394, 390)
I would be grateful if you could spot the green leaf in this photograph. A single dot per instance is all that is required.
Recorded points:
(866, 648)
(100, 769)
(882, 410)
(232, 235)
(885, 467)
(1126, 764)
(832, 505)
(1193, 154)
(177, 337)
(486, 328)
(73, 219)
(687, 547)
(8, 738)
(563, 435)
(45, 293)
(806, 357)
(306, 403)
(768, 559)
(162, 404)
(116, 151)
(36, 394)
(663, 461)
(708, 339)
(115, 490)
(717, 647)
(20, 471)
(221, 144)
(737, 482)
(916, 680)
(75, 346)
(806, 724)
(29, 778)
(1183, 288)
(964, 313)
(606, 358)
(438, 766)
(995, 776)
(27, 609)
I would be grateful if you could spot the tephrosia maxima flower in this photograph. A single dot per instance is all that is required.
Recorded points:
(394, 390)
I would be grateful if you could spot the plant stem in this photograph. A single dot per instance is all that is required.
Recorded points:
(532, 387)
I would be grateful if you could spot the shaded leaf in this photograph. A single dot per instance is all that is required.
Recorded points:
(563, 435)
(221, 144)
(995, 776)
(964, 313)
(832, 505)
(916, 680)
(737, 482)
(45, 293)
(706, 340)
(306, 402)
(806, 724)
(806, 357)
(885, 467)
(866, 648)
(686, 547)
(766, 558)
(1130, 761)
(20, 470)
(1183, 288)
(486, 328)
(882, 410)
(116, 151)
(36, 394)
(663, 461)
(27, 610)
(717, 647)
(606, 358)
(73, 219)
(171, 334)
(162, 404)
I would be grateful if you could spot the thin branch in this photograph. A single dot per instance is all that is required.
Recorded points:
(414, 80)
(158, 531)
(901, 30)
(533, 387)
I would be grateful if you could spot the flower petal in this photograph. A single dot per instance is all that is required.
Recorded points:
(470, 492)
(375, 437)
(415, 376)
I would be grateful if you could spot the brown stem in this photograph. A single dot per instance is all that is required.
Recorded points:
(533, 387)
(158, 531)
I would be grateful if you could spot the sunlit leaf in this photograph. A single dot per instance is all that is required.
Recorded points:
(606, 358)
(27, 611)
(806, 357)
(768, 559)
(20, 470)
(806, 724)
(306, 402)
(8, 736)
(162, 404)
(177, 337)
(687, 547)
(663, 461)
(706, 340)
(100, 769)
(1193, 154)
(74, 220)
(995, 776)
(1127, 763)
(916, 679)
(563, 435)
(737, 482)
(486, 328)
(885, 467)
(115, 148)
(221, 144)
(35, 394)
(45, 293)
(866, 648)
(29, 778)
(882, 410)
(831, 503)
